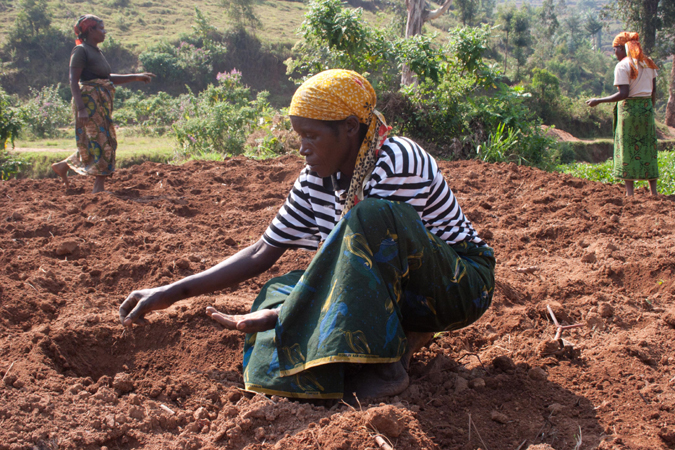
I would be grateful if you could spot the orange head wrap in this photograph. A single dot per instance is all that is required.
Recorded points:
(84, 23)
(633, 51)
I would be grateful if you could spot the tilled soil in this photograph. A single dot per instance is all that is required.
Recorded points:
(73, 378)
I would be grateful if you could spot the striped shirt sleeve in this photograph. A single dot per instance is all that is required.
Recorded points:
(295, 224)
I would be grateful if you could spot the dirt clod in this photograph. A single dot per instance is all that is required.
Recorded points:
(606, 310)
(499, 417)
(66, 248)
(384, 420)
(503, 363)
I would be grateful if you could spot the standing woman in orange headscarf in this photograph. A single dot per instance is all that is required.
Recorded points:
(635, 143)
(93, 89)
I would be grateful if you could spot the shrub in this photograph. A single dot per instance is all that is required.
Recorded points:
(45, 112)
(153, 113)
(274, 137)
(10, 122)
(218, 119)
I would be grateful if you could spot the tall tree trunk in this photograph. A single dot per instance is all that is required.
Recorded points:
(670, 107)
(417, 15)
(650, 22)
(599, 41)
(506, 52)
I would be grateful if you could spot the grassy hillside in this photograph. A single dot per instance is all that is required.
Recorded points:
(140, 23)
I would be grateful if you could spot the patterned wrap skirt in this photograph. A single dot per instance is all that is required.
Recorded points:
(379, 273)
(635, 142)
(96, 140)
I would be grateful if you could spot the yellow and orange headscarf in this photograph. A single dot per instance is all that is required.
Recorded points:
(83, 24)
(634, 52)
(335, 95)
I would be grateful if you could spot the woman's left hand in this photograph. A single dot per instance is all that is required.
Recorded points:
(593, 102)
(146, 77)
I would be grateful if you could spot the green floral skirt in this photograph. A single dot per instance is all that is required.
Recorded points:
(635, 144)
(96, 140)
(380, 272)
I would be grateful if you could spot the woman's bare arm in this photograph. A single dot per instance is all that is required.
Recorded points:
(117, 78)
(621, 94)
(75, 74)
(247, 263)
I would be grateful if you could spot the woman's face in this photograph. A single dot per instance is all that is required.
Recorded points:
(326, 149)
(619, 52)
(96, 34)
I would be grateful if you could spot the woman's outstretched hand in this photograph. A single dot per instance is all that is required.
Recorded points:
(139, 303)
(593, 102)
(146, 77)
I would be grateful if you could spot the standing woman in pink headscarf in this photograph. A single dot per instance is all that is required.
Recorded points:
(93, 89)
(635, 143)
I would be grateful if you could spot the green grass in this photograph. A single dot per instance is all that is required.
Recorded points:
(143, 22)
(602, 172)
(127, 141)
(131, 150)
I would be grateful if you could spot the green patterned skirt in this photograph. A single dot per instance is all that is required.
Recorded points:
(635, 143)
(96, 140)
(380, 272)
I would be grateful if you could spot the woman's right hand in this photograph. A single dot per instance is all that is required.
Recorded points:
(82, 117)
(139, 303)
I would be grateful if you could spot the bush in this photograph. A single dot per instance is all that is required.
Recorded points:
(153, 113)
(10, 122)
(45, 112)
(274, 137)
(219, 119)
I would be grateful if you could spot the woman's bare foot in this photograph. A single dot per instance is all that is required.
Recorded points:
(262, 320)
(99, 184)
(61, 169)
(416, 341)
(377, 380)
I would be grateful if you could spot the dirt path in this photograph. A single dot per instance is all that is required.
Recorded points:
(73, 379)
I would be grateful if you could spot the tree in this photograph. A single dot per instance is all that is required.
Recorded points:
(466, 11)
(548, 18)
(505, 18)
(33, 16)
(335, 36)
(637, 15)
(668, 17)
(417, 15)
(594, 28)
(240, 13)
(522, 38)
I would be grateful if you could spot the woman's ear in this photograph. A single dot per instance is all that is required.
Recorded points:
(352, 126)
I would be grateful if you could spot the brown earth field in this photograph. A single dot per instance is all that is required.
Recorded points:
(73, 378)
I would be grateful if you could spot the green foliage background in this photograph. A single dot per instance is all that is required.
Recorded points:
(487, 75)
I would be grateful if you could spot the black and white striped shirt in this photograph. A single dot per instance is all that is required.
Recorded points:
(404, 173)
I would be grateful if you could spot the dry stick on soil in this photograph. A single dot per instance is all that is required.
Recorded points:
(472, 354)
(384, 445)
(167, 409)
(10, 368)
(561, 328)
(579, 439)
(315, 440)
(521, 444)
(471, 422)
(342, 401)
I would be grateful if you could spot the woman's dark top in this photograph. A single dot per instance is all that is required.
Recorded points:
(92, 62)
